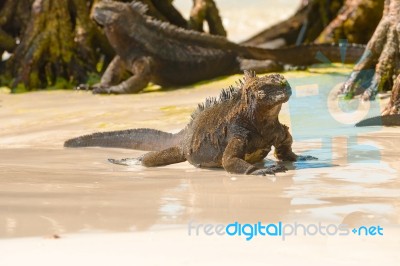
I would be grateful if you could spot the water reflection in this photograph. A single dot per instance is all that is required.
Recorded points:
(98, 196)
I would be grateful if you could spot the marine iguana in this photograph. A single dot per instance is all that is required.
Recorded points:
(161, 53)
(232, 132)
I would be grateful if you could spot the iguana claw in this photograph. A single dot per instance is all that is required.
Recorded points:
(306, 158)
(127, 161)
(270, 170)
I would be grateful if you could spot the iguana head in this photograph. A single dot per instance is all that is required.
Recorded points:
(110, 13)
(267, 91)
(121, 22)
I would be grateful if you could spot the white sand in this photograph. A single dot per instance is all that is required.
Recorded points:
(174, 247)
(107, 214)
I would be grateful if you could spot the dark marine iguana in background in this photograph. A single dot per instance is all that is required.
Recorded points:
(233, 132)
(158, 52)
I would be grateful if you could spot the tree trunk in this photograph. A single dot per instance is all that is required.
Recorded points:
(355, 22)
(206, 10)
(170, 13)
(202, 11)
(14, 17)
(60, 44)
(324, 21)
(381, 55)
(393, 106)
(304, 26)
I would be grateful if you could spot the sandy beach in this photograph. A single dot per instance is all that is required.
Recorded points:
(62, 206)
(104, 212)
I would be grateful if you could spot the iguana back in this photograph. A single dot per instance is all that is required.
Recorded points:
(158, 52)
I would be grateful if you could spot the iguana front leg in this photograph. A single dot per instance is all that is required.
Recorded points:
(283, 148)
(233, 160)
(113, 75)
(141, 74)
(155, 158)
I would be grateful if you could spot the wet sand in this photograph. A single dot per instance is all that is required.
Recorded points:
(141, 215)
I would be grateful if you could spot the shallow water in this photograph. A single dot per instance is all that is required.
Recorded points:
(46, 189)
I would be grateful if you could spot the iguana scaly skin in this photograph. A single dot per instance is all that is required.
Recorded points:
(158, 52)
(232, 132)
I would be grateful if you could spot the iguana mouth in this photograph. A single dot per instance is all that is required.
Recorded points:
(281, 97)
(281, 94)
(98, 24)
(277, 99)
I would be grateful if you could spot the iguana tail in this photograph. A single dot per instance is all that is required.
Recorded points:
(386, 120)
(140, 139)
(307, 54)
